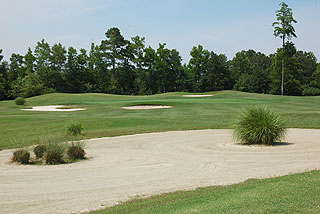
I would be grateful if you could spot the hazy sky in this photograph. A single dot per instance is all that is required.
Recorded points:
(222, 26)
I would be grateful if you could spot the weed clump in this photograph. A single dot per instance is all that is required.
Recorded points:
(74, 129)
(39, 150)
(76, 151)
(20, 101)
(259, 125)
(21, 156)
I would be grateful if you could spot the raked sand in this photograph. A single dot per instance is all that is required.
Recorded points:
(52, 108)
(122, 168)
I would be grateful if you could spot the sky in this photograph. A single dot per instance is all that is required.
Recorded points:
(222, 26)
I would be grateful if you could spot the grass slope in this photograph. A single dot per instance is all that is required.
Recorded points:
(299, 193)
(104, 116)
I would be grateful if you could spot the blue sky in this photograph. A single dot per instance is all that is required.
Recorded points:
(222, 26)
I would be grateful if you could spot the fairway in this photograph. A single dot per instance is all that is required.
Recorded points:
(105, 117)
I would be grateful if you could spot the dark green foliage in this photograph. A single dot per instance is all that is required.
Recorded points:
(259, 125)
(54, 153)
(21, 156)
(121, 66)
(250, 72)
(311, 91)
(76, 151)
(39, 150)
(20, 101)
(74, 129)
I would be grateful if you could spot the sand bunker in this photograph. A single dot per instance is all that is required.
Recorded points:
(146, 107)
(53, 108)
(198, 95)
(124, 167)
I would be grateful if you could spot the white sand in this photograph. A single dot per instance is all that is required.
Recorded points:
(146, 107)
(124, 167)
(52, 108)
(198, 95)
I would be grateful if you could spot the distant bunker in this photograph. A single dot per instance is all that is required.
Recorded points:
(146, 107)
(54, 108)
(198, 95)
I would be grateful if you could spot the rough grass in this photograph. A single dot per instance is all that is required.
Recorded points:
(299, 193)
(105, 117)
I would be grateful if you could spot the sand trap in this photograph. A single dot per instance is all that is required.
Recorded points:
(53, 108)
(146, 107)
(198, 95)
(124, 167)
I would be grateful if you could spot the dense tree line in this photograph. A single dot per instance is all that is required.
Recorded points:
(120, 66)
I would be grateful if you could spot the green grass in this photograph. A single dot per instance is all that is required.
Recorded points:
(299, 193)
(104, 116)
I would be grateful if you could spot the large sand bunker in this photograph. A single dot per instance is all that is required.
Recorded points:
(53, 108)
(198, 95)
(146, 107)
(124, 167)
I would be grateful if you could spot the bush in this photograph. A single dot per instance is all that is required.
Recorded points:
(54, 153)
(39, 150)
(20, 101)
(76, 151)
(259, 125)
(21, 156)
(74, 129)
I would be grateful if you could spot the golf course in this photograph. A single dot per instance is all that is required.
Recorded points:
(104, 116)
(181, 159)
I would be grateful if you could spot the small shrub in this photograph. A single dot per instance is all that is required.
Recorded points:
(259, 125)
(21, 156)
(76, 151)
(74, 129)
(54, 153)
(39, 150)
(20, 101)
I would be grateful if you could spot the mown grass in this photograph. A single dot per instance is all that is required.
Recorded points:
(105, 117)
(299, 193)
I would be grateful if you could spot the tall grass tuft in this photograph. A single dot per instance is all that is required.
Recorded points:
(259, 125)
(54, 153)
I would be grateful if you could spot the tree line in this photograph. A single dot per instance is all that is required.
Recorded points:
(121, 66)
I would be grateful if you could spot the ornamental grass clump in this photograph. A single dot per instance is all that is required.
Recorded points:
(39, 150)
(21, 156)
(54, 153)
(76, 151)
(259, 125)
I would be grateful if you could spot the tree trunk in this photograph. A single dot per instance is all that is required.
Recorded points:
(282, 76)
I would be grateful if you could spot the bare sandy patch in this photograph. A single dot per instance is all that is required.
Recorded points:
(198, 95)
(146, 107)
(121, 168)
(53, 108)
